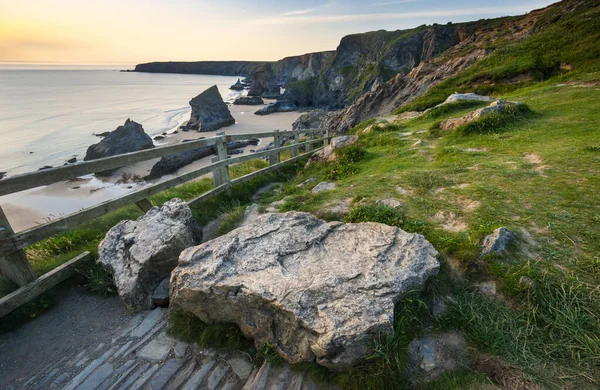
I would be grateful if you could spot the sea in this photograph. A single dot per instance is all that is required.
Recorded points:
(50, 113)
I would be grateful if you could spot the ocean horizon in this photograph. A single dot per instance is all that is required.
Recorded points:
(50, 112)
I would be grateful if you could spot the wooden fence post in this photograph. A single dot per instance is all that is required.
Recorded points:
(144, 205)
(297, 142)
(13, 262)
(223, 172)
(274, 158)
(326, 135)
(309, 145)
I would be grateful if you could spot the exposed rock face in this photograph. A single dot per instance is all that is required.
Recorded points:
(497, 242)
(494, 107)
(140, 254)
(248, 101)
(278, 106)
(311, 120)
(397, 91)
(171, 163)
(125, 139)
(431, 356)
(264, 83)
(209, 112)
(329, 152)
(223, 68)
(313, 290)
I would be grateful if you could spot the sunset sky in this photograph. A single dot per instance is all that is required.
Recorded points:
(134, 31)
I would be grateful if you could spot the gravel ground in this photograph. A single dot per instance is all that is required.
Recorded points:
(78, 321)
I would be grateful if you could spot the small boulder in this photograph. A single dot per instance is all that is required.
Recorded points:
(458, 97)
(238, 86)
(160, 296)
(329, 152)
(141, 253)
(323, 186)
(497, 242)
(390, 202)
(278, 106)
(124, 139)
(494, 107)
(248, 101)
(315, 291)
(306, 182)
(209, 112)
(433, 355)
(72, 160)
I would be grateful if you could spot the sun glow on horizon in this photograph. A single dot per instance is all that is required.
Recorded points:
(136, 31)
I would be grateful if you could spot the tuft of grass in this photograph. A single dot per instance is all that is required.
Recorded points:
(593, 148)
(187, 327)
(345, 164)
(98, 279)
(497, 121)
(231, 219)
(376, 213)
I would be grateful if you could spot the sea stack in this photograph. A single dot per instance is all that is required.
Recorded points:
(128, 138)
(209, 112)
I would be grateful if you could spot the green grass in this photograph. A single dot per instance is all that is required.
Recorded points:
(561, 38)
(536, 175)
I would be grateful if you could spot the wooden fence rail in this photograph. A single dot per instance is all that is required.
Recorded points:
(13, 262)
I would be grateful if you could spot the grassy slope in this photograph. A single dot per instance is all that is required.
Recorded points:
(539, 177)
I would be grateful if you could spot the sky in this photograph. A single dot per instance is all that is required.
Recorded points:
(134, 31)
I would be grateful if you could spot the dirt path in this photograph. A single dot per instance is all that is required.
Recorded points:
(90, 342)
(78, 322)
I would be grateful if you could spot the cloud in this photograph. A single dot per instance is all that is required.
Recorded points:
(386, 3)
(315, 19)
(298, 12)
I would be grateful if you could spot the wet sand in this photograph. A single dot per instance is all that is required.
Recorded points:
(30, 208)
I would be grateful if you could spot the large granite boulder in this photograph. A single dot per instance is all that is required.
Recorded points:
(473, 97)
(315, 291)
(328, 153)
(142, 253)
(209, 112)
(125, 139)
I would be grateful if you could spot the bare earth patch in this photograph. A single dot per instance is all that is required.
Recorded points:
(467, 204)
(404, 191)
(505, 376)
(536, 159)
(449, 222)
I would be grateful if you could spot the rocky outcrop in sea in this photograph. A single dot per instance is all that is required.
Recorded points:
(209, 112)
(128, 138)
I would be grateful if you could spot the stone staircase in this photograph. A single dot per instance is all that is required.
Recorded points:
(143, 356)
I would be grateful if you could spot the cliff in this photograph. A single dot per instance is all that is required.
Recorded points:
(219, 68)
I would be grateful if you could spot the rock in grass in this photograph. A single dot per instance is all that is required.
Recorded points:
(494, 107)
(433, 355)
(311, 289)
(125, 139)
(328, 153)
(160, 296)
(141, 253)
(209, 112)
(323, 186)
(458, 97)
(497, 242)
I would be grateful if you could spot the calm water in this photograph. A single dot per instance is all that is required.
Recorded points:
(49, 114)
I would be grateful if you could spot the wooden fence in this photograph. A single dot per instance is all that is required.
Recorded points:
(14, 264)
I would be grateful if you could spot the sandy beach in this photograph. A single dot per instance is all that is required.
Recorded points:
(29, 208)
